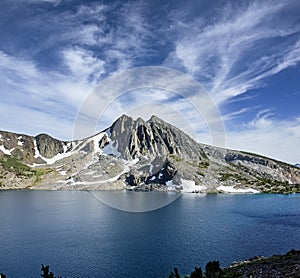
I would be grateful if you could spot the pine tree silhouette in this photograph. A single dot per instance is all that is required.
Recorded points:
(197, 273)
(46, 274)
(213, 270)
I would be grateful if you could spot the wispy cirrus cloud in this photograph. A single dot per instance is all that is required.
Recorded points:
(84, 45)
(270, 137)
(84, 66)
(47, 95)
(239, 49)
(53, 55)
(236, 52)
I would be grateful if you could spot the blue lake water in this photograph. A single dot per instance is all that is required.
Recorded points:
(79, 236)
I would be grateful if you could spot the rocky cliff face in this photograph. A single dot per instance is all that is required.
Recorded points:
(31, 149)
(142, 155)
(48, 146)
(18, 145)
(152, 138)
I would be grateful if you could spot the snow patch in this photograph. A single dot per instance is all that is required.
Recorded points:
(57, 157)
(20, 143)
(63, 172)
(151, 169)
(68, 181)
(6, 151)
(92, 172)
(49, 161)
(231, 189)
(96, 140)
(98, 176)
(127, 164)
(36, 150)
(35, 165)
(113, 179)
(110, 149)
(189, 186)
(73, 144)
(65, 147)
(169, 183)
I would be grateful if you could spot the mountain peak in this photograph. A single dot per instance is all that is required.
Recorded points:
(126, 118)
(155, 119)
(159, 156)
(152, 138)
(123, 118)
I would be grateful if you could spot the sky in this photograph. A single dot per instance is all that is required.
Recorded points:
(245, 55)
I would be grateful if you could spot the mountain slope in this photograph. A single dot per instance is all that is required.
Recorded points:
(141, 155)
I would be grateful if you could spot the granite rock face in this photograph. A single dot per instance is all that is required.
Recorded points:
(18, 145)
(104, 141)
(144, 155)
(152, 138)
(48, 146)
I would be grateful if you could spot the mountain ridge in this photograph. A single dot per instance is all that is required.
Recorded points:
(139, 155)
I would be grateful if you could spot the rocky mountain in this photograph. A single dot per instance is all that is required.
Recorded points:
(138, 155)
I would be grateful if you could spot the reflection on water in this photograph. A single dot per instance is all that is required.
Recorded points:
(133, 201)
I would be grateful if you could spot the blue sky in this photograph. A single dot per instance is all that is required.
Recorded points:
(246, 54)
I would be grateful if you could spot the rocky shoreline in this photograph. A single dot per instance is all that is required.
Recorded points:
(287, 265)
(277, 266)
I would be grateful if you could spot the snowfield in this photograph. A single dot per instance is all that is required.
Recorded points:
(187, 186)
(231, 189)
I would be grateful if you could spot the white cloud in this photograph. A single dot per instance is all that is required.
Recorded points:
(233, 54)
(52, 96)
(262, 120)
(155, 87)
(24, 68)
(55, 2)
(269, 137)
(233, 115)
(146, 102)
(71, 33)
(83, 64)
(18, 119)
